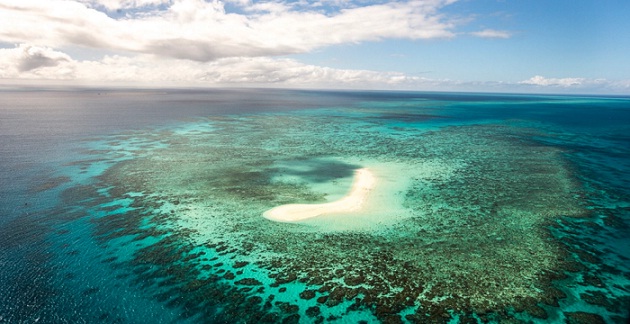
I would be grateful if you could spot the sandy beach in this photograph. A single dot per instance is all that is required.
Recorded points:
(364, 182)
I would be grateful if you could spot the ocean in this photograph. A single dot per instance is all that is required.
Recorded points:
(147, 206)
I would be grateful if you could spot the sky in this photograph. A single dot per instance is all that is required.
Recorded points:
(540, 46)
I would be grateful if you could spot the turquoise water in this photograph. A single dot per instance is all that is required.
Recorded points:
(146, 206)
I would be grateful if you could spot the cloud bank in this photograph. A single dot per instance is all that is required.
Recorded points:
(204, 31)
(46, 63)
(42, 63)
(577, 84)
(234, 43)
(562, 82)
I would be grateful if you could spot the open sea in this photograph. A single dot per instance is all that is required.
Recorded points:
(146, 206)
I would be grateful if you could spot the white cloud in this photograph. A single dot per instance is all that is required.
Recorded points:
(578, 84)
(203, 31)
(492, 33)
(123, 4)
(241, 71)
(32, 58)
(208, 42)
(556, 82)
(26, 61)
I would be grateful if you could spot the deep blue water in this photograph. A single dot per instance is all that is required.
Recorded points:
(58, 147)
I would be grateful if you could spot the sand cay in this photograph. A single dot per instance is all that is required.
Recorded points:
(364, 182)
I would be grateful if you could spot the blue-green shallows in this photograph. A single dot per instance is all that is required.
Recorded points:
(143, 206)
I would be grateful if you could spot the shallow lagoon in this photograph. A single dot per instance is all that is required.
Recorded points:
(487, 207)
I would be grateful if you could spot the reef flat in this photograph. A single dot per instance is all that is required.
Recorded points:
(470, 236)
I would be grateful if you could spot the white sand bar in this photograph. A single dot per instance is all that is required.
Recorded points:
(364, 182)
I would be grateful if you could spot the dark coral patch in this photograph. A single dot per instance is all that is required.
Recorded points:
(583, 318)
